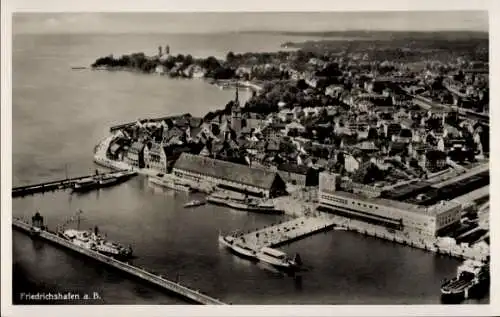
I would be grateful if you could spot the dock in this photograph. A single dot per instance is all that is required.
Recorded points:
(298, 228)
(20, 191)
(287, 232)
(173, 287)
(62, 184)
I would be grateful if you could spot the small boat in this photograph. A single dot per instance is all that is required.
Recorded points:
(194, 203)
(276, 258)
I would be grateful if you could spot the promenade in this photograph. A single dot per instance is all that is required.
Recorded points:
(286, 232)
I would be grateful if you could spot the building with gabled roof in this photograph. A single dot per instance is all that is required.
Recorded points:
(155, 157)
(230, 176)
(135, 154)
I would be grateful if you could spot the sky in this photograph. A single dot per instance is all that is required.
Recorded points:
(208, 22)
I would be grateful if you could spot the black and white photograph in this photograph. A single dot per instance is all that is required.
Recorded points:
(248, 158)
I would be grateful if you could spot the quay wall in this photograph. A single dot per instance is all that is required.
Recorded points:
(422, 242)
(298, 208)
(183, 291)
(322, 221)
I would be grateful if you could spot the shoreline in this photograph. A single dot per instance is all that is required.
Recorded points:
(297, 208)
(219, 83)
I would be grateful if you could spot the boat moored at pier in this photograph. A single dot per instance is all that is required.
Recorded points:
(277, 258)
(243, 204)
(92, 240)
(85, 184)
(472, 280)
(237, 246)
(168, 181)
(102, 180)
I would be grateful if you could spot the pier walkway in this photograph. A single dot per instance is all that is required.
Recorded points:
(181, 290)
(20, 191)
(286, 232)
(292, 230)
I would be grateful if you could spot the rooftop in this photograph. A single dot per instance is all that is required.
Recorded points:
(395, 204)
(403, 190)
(229, 171)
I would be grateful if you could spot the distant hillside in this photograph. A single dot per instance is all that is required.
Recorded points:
(384, 35)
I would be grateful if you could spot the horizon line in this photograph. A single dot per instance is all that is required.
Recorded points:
(316, 33)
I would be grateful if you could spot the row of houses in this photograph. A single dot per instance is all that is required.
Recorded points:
(154, 155)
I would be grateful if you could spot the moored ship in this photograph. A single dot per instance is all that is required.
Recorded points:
(102, 180)
(237, 245)
(115, 178)
(85, 184)
(37, 225)
(472, 280)
(92, 240)
(277, 258)
(168, 182)
(243, 204)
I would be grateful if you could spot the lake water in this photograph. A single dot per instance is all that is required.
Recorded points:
(60, 114)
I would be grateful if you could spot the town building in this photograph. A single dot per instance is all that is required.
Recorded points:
(434, 160)
(135, 155)
(230, 176)
(236, 114)
(272, 131)
(155, 157)
(299, 175)
(426, 220)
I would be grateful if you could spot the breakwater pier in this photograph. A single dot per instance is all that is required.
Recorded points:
(286, 232)
(62, 184)
(279, 234)
(173, 287)
(44, 187)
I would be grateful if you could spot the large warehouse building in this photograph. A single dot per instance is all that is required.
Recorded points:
(430, 220)
(231, 176)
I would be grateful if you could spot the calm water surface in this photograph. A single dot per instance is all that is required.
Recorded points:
(58, 117)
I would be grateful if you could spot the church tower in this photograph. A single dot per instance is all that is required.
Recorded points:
(236, 113)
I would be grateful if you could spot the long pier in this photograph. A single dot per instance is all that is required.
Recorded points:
(45, 187)
(62, 184)
(176, 288)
